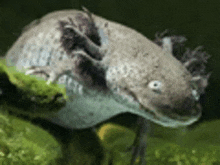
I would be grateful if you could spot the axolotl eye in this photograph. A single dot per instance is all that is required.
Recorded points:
(155, 86)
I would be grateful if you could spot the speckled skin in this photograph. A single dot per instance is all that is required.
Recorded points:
(130, 61)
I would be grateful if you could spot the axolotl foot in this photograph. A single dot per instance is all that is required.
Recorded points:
(43, 71)
(140, 144)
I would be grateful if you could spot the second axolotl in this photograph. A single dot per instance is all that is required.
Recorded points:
(112, 69)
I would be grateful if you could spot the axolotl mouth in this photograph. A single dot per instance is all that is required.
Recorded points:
(169, 117)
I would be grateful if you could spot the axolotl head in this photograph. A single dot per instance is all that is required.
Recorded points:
(167, 92)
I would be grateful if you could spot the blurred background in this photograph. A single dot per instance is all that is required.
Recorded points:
(197, 20)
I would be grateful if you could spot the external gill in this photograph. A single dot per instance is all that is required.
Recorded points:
(193, 60)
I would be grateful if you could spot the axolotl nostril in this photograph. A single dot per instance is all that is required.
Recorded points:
(89, 53)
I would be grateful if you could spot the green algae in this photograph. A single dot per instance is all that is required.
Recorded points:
(28, 94)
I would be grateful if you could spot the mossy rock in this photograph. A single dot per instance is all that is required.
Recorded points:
(186, 148)
(22, 143)
(29, 95)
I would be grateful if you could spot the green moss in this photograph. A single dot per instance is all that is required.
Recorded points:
(20, 143)
(117, 140)
(23, 143)
(31, 84)
(171, 153)
(28, 94)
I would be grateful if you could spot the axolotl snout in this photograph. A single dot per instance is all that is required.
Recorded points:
(99, 52)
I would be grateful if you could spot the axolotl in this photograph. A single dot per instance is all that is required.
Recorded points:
(85, 51)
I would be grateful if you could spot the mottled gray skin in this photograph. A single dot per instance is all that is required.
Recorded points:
(131, 63)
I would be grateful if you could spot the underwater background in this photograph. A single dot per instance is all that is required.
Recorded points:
(197, 20)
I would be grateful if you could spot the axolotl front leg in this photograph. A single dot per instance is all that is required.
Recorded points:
(89, 51)
(70, 67)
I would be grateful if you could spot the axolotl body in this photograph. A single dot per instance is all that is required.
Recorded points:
(111, 69)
